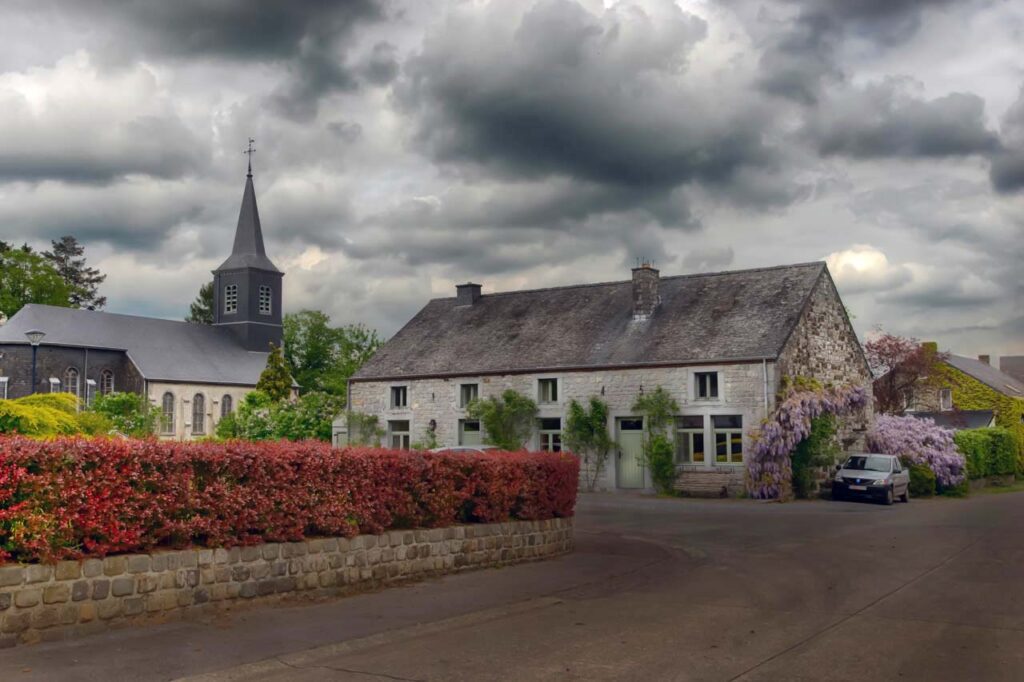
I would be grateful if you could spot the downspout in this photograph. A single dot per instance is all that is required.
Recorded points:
(764, 370)
(85, 380)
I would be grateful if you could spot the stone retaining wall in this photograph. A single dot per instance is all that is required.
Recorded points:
(78, 597)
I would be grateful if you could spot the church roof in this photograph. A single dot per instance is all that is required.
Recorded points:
(162, 350)
(716, 317)
(248, 250)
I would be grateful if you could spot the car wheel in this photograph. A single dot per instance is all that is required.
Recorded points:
(889, 497)
(905, 497)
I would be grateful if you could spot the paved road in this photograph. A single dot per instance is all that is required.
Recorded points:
(657, 590)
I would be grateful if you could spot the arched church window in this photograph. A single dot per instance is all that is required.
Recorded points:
(106, 382)
(167, 413)
(265, 300)
(225, 406)
(231, 298)
(198, 415)
(71, 381)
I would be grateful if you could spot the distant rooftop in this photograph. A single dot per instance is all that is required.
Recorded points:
(988, 375)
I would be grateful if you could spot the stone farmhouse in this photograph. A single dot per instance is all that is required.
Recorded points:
(720, 343)
(192, 373)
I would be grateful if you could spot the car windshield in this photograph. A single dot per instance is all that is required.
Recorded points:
(868, 463)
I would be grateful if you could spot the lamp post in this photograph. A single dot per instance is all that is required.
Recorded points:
(35, 337)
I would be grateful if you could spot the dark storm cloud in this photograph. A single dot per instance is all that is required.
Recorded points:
(562, 92)
(1007, 172)
(799, 55)
(888, 119)
(308, 38)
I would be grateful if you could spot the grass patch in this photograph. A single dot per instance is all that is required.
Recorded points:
(1015, 487)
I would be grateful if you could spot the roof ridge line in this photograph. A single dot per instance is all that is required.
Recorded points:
(692, 275)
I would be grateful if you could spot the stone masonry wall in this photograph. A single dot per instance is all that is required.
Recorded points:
(79, 597)
(741, 391)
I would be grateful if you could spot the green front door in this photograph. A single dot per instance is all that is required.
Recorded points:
(629, 434)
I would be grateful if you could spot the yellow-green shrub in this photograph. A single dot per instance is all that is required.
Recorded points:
(48, 414)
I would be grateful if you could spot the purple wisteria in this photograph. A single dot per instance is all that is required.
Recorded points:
(769, 468)
(919, 441)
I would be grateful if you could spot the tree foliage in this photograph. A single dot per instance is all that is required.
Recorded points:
(275, 381)
(586, 434)
(200, 311)
(67, 256)
(260, 417)
(819, 449)
(322, 357)
(129, 413)
(507, 421)
(27, 277)
(659, 409)
(900, 366)
(364, 429)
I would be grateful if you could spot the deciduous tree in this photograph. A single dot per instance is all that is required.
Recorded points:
(27, 277)
(900, 365)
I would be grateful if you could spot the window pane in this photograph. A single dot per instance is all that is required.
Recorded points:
(470, 426)
(698, 447)
(683, 447)
(397, 426)
(721, 445)
(727, 421)
(713, 379)
(554, 424)
(690, 421)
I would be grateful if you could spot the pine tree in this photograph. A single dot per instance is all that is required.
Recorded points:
(275, 380)
(82, 280)
(200, 311)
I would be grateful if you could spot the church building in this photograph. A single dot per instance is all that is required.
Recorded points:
(192, 374)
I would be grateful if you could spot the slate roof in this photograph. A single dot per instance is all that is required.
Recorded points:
(165, 350)
(958, 419)
(714, 317)
(1012, 365)
(988, 375)
(248, 250)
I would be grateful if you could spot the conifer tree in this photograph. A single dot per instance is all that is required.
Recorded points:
(275, 380)
(83, 281)
(200, 311)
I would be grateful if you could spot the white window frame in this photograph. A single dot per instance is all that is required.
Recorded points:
(404, 437)
(688, 433)
(476, 393)
(104, 375)
(199, 400)
(229, 402)
(66, 383)
(230, 299)
(54, 385)
(729, 433)
(945, 399)
(167, 418)
(697, 374)
(545, 381)
(547, 437)
(266, 300)
(4, 381)
(392, 404)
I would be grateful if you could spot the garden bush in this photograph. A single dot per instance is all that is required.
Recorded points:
(922, 480)
(41, 414)
(72, 497)
(988, 452)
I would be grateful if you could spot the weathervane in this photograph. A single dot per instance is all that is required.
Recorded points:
(250, 151)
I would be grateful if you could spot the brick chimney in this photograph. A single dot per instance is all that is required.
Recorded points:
(467, 294)
(985, 358)
(645, 291)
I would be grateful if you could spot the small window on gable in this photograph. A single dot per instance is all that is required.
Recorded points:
(706, 385)
(231, 298)
(399, 397)
(547, 391)
(468, 393)
(946, 399)
(265, 300)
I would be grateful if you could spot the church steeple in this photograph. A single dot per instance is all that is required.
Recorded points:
(247, 286)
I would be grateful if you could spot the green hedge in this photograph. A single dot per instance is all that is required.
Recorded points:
(922, 480)
(988, 452)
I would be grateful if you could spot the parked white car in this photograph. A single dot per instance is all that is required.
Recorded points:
(465, 448)
(881, 477)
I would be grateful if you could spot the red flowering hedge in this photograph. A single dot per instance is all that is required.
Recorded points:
(71, 497)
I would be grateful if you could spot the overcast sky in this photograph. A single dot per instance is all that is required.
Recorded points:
(406, 146)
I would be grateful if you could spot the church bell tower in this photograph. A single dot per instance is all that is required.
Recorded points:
(247, 286)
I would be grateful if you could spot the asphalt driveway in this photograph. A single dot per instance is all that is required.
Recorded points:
(657, 590)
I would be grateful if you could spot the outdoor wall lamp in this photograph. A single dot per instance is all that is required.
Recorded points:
(35, 337)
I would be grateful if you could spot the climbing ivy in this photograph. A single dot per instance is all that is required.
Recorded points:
(971, 394)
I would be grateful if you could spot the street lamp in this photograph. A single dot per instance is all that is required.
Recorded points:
(35, 337)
